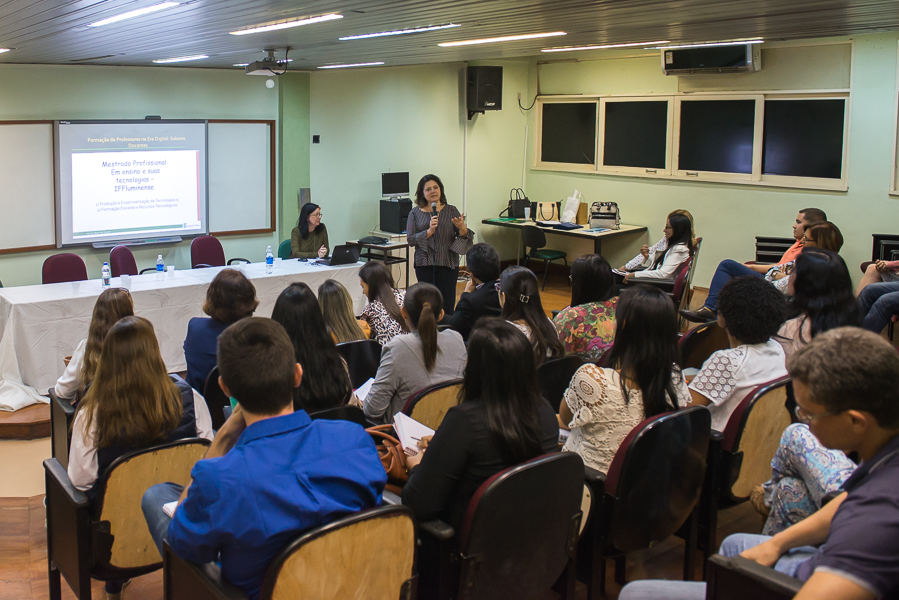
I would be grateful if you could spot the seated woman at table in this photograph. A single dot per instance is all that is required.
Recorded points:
(519, 296)
(502, 421)
(382, 313)
(309, 239)
(337, 308)
(414, 361)
(112, 305)
(679, 247)
(648, 253)
(587, 327)
(326, 381)
(602, 405)
(229, 298)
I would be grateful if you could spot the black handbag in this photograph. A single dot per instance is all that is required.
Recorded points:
(518, 201)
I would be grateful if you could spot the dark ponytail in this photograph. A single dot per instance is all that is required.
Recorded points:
(423, 304)
(380, 287)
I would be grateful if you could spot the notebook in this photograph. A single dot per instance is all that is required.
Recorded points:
(409, 431)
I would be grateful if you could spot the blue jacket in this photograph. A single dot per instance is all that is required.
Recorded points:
(200, 349)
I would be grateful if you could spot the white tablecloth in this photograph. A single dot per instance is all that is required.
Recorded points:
(41, 324)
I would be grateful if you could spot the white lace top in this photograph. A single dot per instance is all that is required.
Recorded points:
(602, 418)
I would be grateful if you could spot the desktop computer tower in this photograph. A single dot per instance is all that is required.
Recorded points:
(394, 215)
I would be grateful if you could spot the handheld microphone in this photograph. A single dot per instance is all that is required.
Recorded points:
(433, 209)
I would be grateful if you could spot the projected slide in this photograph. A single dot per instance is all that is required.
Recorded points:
(128, 181)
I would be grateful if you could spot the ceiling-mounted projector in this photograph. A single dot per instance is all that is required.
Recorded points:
(268, 66)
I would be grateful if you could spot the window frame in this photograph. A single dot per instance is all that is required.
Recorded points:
(601, 130)
(538, 148)
(894, 168)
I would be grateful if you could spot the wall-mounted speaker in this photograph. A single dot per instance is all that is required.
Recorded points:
(485, 89)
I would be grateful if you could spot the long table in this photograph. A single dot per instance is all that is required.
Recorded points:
(41, 324)
(596, 237)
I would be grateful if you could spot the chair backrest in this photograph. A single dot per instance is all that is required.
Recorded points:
(680, 280)
(752, 436)
(64, 267)
(684, 293)
(532, 237)
(656, 477)
(430, 405)
(284, 249)
(121, 261)
(698, 344)
(126, 543)
(62, 413)
(206, 250)
(864, 266)
(521, 528)
(354, 414)
(367, 555)
(555, 376)
(738, 578)
(216, 400)
(362, 359)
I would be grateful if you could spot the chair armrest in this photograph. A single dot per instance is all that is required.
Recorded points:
(234, 260)
(58, 479)
(595, 479)
(392, 499)
(437, 529)
(69, 531)
(666, 285)
(716, 436)
(147, 270)
(188, 581)
(737, 578)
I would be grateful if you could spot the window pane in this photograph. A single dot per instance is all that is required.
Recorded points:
(803, 138)
(569, 133)
(716, 135)
(636, 134)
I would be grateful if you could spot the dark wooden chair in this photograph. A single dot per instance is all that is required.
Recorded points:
(110, 539)
(369, 554)
(216, 400)
(121, 262)
(207, 251)
(738, 578)
(62, 413)
(698, 344)
(61, 268)
(362, 359)
(430, 405)
(533, 237)
(651, 491)
(519, 536)
(353, 414)
(555, 375)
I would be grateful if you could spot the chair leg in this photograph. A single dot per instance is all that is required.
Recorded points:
(545, 271)
(620, 566)
(566, 268)
(690, 546)
(55, 581)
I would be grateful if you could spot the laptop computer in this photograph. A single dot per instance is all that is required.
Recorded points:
(341, 255)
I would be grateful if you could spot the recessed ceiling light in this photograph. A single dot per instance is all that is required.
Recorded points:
(240, 64)
(371, 64)
(181, 59)
(398, 32)
(604, 46)
(706, 44)
(507, 38)
(2, 50)
(288, 24)
(134, 13)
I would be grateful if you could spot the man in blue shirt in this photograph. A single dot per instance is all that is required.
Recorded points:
(271, 473)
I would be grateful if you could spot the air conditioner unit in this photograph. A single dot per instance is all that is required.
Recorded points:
(742, 58)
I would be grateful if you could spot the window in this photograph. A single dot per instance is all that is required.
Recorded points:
(804, 138)
(569, 133)
(635, 135)
(716, 136)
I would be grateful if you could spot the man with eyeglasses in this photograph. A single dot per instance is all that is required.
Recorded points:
(847, 388)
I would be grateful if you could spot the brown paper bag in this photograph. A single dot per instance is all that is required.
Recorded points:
(583, 216)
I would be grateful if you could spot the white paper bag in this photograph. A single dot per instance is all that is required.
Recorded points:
(569, 213)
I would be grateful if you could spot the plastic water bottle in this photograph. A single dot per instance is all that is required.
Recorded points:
(106, 275)
(269, 260)
(160, 268)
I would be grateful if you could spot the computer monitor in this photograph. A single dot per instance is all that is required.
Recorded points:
(394, 185)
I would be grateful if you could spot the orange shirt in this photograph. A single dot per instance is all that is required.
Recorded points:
(791, 253)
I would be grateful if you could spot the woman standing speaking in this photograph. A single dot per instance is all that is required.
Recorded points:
(439, 234)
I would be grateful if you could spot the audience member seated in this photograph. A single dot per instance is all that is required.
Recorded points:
(229, 298)
(587, 327)
(847, 389)
(648, 254)
(327, 382)
(519, 296)
(679, 247)
(382, 312)
(112, 305)
(479, 298)
(822, 299)
(877, 271)
(879, 303)
(751, 311)
(502, 421)
(309, 239)
(416, 360)
(731, 268)
(602, 406)
(826, 236)
(337, 308)
(271, 473)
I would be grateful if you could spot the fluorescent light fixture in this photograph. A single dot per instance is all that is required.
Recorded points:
(2, 50)
(507, 38)
(708, 44)
(134, 13)
(604, 46)
(398, 32)
(181, 59)
(240, 64)
(288, 24)
(371, 64)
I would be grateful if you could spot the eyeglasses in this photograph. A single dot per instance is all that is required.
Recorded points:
(806, 418)
(316, 215)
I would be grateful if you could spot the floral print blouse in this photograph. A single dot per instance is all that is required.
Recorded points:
(587, 330)
(383, 327)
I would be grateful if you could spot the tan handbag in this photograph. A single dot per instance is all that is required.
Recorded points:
(393, 459)
(582, 217)
(547, 211)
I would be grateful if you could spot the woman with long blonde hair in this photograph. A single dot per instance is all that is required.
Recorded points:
(112, 305)
(337, 308)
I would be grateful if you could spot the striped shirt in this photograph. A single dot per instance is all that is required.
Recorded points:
(444, 247)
